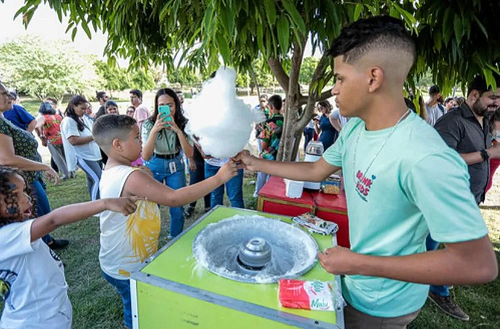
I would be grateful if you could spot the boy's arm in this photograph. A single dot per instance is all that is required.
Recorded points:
(462, 263)
(145, 186)
(301, 171)
(75, 212)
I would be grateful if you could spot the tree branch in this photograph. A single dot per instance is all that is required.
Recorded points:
(279, 73)
(298, 55)
(325, 95)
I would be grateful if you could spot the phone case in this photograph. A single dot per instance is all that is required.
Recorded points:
(164, 111)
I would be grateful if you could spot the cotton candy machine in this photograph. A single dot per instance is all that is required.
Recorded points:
(188, 288)
(255, 249)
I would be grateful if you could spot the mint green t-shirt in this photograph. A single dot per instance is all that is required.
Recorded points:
(416, 185)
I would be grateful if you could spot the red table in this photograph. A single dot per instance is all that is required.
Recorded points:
(272, 199)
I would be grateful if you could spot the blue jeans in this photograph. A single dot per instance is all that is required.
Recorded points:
(438, 290)
(262, 179)
(309, 135)
(196, 177)
(42, 203)
(175, 180)
(123, 289)
(234, 188)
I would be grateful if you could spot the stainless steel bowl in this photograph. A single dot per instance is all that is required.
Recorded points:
(255, 249)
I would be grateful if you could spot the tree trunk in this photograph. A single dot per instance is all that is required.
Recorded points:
(293, 124)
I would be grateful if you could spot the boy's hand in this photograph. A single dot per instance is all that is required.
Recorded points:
(227, 171)
(339, 260)
(245, 160)
(125, 205)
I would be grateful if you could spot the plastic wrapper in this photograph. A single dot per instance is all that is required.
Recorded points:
(332, 185)
(315, 224)
(310, 295)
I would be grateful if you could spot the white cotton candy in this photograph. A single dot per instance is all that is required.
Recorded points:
(221, 120)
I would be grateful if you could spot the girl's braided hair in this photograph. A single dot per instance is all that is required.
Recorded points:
(9, 198)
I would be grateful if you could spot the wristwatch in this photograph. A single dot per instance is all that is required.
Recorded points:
(485, 154)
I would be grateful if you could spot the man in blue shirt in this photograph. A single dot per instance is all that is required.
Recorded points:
(401, 182)
(19, 116)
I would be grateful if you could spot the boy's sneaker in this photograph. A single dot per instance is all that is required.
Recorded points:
(447, 305)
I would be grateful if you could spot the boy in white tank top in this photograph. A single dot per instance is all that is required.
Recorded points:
(126, 241)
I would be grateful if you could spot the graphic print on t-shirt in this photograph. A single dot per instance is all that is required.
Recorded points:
(364, 185)
(7, 279)
(143, 229)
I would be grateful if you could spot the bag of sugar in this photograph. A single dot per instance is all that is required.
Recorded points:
(307, 295)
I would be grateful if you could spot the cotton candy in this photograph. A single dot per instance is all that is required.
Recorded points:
(222, 122)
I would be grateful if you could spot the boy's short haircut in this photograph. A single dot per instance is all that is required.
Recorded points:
(110, 127)
(365, 35)
(275, 101)
(137, 93)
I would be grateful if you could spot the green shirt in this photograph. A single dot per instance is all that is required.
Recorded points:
(166, 140)
(25, 145)
(416, 185)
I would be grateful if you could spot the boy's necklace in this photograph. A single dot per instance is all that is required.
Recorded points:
(378, 152)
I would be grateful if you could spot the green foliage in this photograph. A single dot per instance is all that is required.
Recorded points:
(455, 39)
(307, 70)
(184, 77)
(116, 78)
(258, 73)
(39, 68)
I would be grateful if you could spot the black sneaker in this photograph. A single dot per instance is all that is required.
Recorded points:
(448, 306)
(188, 212)
(58, 244)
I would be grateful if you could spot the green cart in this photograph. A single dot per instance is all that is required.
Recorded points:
(172, 291)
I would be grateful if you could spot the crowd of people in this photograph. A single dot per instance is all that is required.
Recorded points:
(410, 184)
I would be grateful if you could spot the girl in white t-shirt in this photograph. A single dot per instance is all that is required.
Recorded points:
(32, 282)
(76, 133)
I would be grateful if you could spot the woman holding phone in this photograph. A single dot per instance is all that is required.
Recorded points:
(164, 139)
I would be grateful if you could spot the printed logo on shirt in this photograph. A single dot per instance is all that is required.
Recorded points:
(364, 185)
(7, 279)
(143, 229)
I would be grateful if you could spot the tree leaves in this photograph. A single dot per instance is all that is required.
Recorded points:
(295, 15)
(270, 11)
(283, 34)
(357, 11)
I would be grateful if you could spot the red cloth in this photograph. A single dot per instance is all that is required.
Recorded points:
(494, 164)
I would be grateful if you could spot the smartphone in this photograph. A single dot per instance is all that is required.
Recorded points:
(164, 112)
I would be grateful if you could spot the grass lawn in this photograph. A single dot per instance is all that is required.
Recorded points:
(96, 305)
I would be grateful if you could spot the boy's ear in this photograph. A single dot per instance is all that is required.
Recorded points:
(117, 145)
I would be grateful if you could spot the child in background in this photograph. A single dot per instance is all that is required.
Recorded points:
(32, 282)
(495, 134)
(126, 241)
